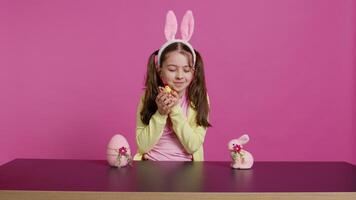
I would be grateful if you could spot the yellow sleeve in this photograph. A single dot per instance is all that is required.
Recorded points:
(189, 134)
(148, 135)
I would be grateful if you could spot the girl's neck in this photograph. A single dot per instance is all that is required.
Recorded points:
(182, 94)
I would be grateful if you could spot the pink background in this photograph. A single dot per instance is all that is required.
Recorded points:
(71, 73)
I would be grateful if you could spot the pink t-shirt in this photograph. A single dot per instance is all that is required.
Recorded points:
(169, 148)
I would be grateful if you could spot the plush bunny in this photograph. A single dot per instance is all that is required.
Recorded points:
(241, 159)
(118, 151)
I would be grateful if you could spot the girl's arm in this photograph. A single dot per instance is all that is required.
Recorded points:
(148, 135)
(189, 134)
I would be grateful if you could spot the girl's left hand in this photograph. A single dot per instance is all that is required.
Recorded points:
(174, 99)
(172, 96)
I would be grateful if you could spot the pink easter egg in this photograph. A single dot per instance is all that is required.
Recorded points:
(118, 151)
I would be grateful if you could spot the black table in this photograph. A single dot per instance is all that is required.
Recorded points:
(94, 179)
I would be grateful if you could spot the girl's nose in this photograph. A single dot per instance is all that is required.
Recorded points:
(179, 74)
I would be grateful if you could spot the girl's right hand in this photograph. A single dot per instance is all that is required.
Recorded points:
(163, 100)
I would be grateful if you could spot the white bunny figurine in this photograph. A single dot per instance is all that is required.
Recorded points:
(241, 159)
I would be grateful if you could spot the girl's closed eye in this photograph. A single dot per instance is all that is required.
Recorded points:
(172, 69)
(187, 69)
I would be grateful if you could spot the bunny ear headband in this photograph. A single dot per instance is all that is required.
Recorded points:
(170, 30)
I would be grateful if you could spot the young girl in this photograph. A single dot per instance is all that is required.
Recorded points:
(171, 126)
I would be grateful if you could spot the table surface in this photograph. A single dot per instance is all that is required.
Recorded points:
(149, 176)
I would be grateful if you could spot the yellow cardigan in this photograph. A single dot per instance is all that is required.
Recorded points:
(188, 132)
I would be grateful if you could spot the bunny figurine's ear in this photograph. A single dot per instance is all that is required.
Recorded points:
(170, 28)
(187, 26)
(243, 139)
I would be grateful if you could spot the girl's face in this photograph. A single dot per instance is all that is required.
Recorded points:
(176, 72)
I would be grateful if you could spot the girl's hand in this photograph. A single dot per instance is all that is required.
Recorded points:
(163, 100)
(174, 99)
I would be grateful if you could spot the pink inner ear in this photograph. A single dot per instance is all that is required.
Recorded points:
(187, 26)
(170, 29)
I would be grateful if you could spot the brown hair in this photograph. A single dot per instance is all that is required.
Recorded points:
(197, 92)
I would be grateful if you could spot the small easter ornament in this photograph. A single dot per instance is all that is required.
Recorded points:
(241, 159)
(118, 152)
(167, 89)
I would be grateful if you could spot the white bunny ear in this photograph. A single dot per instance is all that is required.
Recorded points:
(243, 139)
(170, 28)
(187, 26)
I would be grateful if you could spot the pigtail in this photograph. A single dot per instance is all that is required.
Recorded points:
(151, 89)
(198, 93)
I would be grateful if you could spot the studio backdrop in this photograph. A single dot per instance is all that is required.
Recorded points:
(282, 71)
